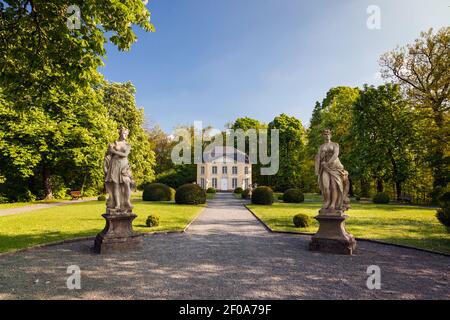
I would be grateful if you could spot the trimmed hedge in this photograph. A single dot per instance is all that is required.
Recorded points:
(157, 192)
(245, 194)
(301, 220)
(262, 195)
(381, 198)
(293, 196)
(101, 197)
(152, 221)
(190, 194)
(211, 190)
(238, 190)
(443, 214)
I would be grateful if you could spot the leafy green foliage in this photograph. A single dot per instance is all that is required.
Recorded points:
(157, 192)
(53, 119)
(381, 198)
(101, 197)
(291, 152)
(293, 196)
(384, 132)
(421, 69)
(152, 221)
(211, 190)
(178, 176)
(301, 220)
(443, 214)
(121, 103)
(238, 190)
(262, 195)
(190, 194)
(245, 194)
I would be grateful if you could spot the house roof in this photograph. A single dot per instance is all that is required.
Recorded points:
(227, 151)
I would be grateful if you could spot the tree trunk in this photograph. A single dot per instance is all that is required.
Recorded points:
(441, 175)
(398, 189)
(46, 185)
(365, 188)
(379, 185)
(350, 191)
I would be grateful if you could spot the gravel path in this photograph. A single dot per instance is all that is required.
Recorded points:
(38, 206)
(225, 254)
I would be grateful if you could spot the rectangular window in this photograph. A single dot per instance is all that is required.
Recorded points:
(202, 170)
(246, 184)
(202, 183)
(235, 170)
(246, 170)
(234, 183)
(224, 170)
(214, 170)
(214, 183)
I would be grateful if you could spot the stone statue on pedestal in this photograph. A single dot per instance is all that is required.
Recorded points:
(333, 179)
(334, 185)
(118, 175)
(118, 234)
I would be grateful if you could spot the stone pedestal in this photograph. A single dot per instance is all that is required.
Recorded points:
(118, 234)
(332, 236)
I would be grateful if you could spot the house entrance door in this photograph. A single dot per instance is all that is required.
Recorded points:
(224, 184)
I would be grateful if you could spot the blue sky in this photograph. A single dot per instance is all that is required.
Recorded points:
(216, 60)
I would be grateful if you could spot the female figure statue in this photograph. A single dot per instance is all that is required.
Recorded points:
(118, 174)
(333, 179)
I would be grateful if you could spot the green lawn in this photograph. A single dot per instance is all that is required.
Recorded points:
(400, 224)
(84, 219)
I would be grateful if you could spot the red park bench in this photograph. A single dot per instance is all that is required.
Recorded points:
(75, 194)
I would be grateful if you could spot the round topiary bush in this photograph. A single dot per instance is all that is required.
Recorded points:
(381, 198)
(101, 197)
(238, 190)
(245, 194)
(190, 194)
(211, 190)
(301, 220)
(262, 195)
(293, 196)
(152, 221)
(443, 214)
(157, 192)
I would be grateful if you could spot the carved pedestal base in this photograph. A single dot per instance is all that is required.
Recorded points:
(118, 235)
(332, 236)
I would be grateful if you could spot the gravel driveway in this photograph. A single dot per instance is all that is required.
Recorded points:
(225, 254)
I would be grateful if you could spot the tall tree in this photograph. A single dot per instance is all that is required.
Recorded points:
(246, 124)
(291, 152)
(48, 78)
(162, 145)
(422, 70)
(334, 113)
(120, 100)
(384, 129)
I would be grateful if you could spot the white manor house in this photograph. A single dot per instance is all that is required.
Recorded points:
(225, 169)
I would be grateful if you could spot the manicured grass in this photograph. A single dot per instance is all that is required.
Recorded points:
(84, 219)
(400, 224)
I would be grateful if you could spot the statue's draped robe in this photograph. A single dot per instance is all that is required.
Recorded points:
(117, 171)
(337, 174)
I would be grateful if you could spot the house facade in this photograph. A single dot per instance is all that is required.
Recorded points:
(224, 169)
